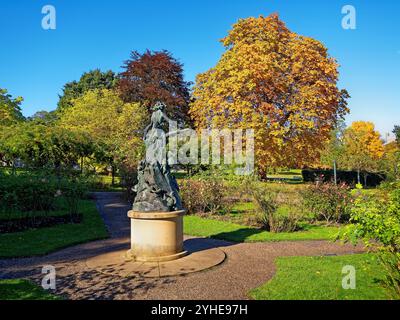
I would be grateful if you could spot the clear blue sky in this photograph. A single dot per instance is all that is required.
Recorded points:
(35, 63)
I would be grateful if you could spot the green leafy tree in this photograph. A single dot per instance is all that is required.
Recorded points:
(390, 162)
(10, 108)
(334, 148)
(363, 148)
(42, 146)
(115, 126)
(396, 132)
(44, 117)
(91, 80)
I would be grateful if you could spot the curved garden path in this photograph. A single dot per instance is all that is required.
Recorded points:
(247, 266)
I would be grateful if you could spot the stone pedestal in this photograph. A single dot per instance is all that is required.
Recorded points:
(156, 236)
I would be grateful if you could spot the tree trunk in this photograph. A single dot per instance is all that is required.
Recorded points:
(58, 172)
(334, 172)
(13, 168)
(81, 165)
(112, 175)
(365, 179)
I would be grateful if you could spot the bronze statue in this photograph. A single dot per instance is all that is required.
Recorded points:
(156, 190)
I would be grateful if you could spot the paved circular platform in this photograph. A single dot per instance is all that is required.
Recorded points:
(198, 259)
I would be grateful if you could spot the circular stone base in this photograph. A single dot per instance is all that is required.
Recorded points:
(116, 263)
(156, 236)
(129, 256)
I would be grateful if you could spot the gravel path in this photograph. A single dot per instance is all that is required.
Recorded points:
(247, 266)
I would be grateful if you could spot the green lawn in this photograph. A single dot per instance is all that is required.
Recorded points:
(290, 176)
(104, 183)
(43, 241)
(320, 278)
(197, 226)
(20, 289)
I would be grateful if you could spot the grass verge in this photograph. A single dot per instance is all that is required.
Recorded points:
(45, 240)
(21, 289)
(196, 226)
(320, 278)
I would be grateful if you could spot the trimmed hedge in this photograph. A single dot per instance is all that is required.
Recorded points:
(348, 177)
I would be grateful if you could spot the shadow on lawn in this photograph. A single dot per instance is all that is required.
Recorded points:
(243, 235)
(240, 235)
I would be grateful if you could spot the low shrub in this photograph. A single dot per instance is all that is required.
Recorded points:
(328, 202)
(27, 192)
(284, 219)
(273, 215)
(72, 191)
(389, 186)
(37, 222)
(205, 196)
(266, 201)
(376, 221)
(32, 193)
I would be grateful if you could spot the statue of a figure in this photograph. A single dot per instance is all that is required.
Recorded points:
(156, 190)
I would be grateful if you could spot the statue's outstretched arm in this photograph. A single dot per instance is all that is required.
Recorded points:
(177, 132)
(146, 130)
(166, 118)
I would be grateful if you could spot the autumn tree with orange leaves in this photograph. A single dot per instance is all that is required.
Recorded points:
(281, 84)
(363, 148)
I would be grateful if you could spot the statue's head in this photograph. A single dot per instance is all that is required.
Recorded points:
(159, 106)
